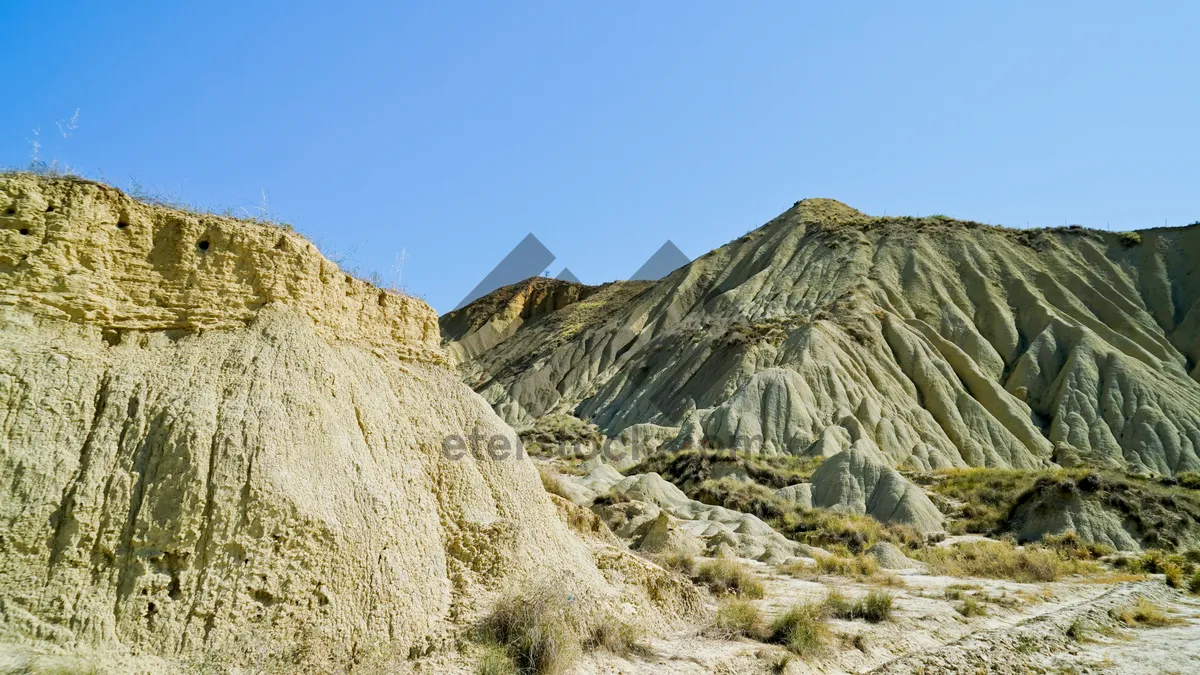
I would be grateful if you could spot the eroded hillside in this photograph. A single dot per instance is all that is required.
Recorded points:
(941, 343)
(216, 445)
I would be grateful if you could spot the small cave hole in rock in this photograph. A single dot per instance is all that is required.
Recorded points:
(24, 230)
(10, 211)
(203, 246)
(122, 224)
(49, 208)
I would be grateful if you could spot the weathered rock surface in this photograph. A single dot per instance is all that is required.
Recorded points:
(214, 441)
(945, 343)
(890, 557)
(858, 481)
(657, 516)
(1127, 514)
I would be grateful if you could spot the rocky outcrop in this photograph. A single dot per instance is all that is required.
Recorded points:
(858, 481)
(945, 343)
(213, 441)
(656, 516)
(1127, 514)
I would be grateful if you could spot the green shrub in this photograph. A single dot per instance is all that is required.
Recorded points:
(1077, 630)
(986, 495)
(1174, 574)
(1130, 239)
(739, 618)
(1071, 545)
(874, 607)
(801, 630)
(743, 496)
(728, 577)
(609, 498)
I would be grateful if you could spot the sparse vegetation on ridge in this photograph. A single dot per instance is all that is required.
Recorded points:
(694, 466)
(1131, 239)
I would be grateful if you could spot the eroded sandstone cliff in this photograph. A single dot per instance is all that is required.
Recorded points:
(214, 442)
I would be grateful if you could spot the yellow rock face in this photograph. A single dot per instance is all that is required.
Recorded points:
(216, 445)
(86, 253)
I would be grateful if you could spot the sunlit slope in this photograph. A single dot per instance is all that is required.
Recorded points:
(943, 342)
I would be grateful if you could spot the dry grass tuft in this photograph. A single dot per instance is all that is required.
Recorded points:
(1002, 560)
(1145, 614)
(971, 606)
(738, 618)
(552, 482)
(802, 630)
(494, 660)
(542, 631)
(874, 607)
(684, 563)
(728, 577)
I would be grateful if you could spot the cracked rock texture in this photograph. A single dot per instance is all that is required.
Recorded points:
(213, 441)
(944, 343)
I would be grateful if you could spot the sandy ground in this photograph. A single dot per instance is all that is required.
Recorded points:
(1024, 631)
(1144, 652)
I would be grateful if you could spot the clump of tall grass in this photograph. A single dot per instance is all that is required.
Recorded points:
(801, 629)
(728, 577)
(543, 631)
(738, 618)
(874, 607)
(1143, 613)
(1002, 560)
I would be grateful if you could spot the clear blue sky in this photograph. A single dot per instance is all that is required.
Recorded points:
(452, 129)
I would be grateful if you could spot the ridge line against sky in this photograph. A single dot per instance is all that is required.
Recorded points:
(446, 132)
